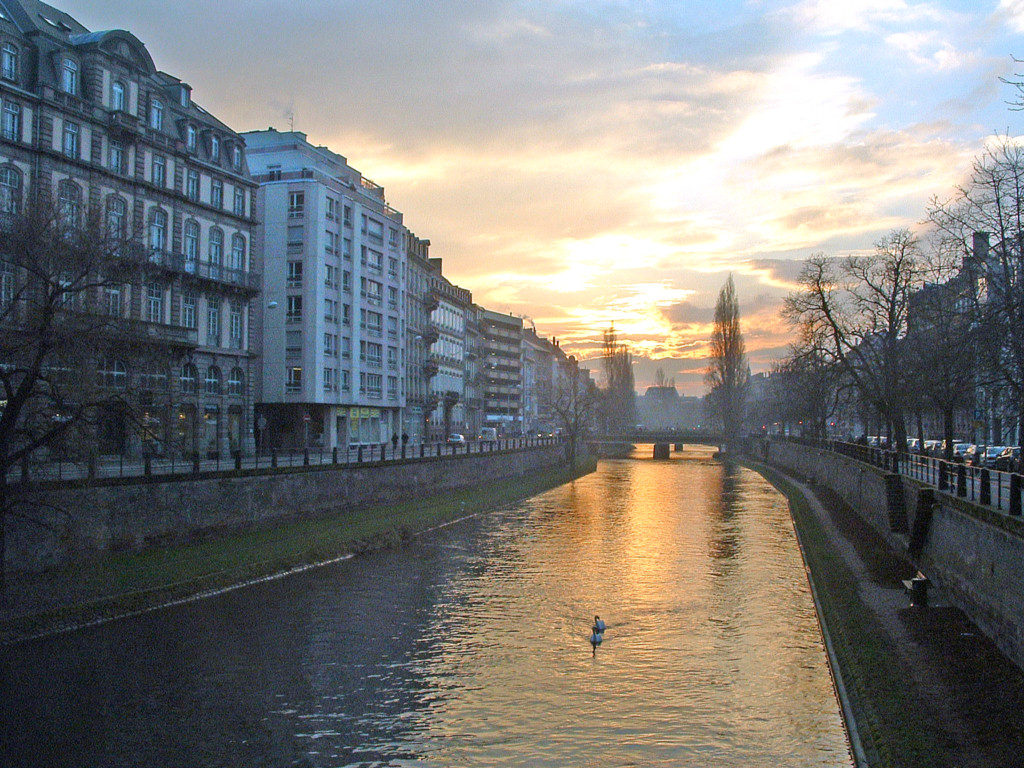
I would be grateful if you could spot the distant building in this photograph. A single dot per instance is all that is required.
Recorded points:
(501, 347)
(448, 354)
(658, 409)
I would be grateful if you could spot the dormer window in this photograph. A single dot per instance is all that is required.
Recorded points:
(9, 61)
(236, 157)
(215, 148)
(117, 96)
(156, 114)
(69, 77)
(186, 96)
(191, 138)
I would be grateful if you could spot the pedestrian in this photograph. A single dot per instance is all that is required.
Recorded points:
(405, 439)
(394, 442)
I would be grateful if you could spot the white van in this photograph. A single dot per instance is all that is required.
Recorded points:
(488, 433)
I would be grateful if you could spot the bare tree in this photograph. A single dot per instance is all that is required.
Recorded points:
(857, 308)
(619, 406)
(728, 372)
(58, 278)
(574, 401)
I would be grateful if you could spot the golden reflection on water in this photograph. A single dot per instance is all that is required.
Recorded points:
(712, 655)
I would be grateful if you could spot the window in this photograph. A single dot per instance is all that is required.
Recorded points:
(373, 229)
(185, 96)
(9, 59)
(213, 380)
(156, 114)
(371, 384)
(217, 193)
(158, 230)
(293, 313)
(346, 314)
(235, 324)
(293, 379)
(215, 148)
(191, 244)
(154, 303)
(295, 235)
(292, 344)
(330, 380)
(236, 381)
(117, 100)
(188, 309)
(117, 218)
(296, 205)
(191, 138)
(392, 387)
(213, 322)
(392, 297)
(69, 77)
(69, 203)
(12, 121)
(6, 286)
(392, 237)
(348, 215)
(346, 347)
(346, 383)
(330, 345)
(192, 184)
(216, 246)
(346, 281)
(392, 358)
(239, 201)
(10, 190)
(332, 208)
(330, 310)
(160, 170)
(189, 379)
(237, 253)
(330, 272)
(346, 248)
(113, 304)
(111, 373)
(71, 139)
(294, 274)
(332, 243)
(115, 156)
(236, 157)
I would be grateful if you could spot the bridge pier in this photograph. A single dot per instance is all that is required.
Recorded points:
(661, 450)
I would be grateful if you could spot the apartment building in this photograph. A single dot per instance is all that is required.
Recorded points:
(420, 335)
(334, 283)
(88, 122)
(501, 346)
(449, 355)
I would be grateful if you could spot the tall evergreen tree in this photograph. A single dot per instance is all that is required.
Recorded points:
(728, 373)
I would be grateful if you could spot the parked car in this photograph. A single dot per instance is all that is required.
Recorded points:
(489, 434)
(933, 447)
(1008, 460)
(992, 452)
(960, 451)
(913, 444)
(456, 439)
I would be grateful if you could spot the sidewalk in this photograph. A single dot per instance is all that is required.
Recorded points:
(961, 701)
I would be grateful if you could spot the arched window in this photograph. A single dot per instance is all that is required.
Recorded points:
(236, 381)
(111, 373)
(213, 380)
(117, 96)
(10, 58)
(216, 246)
(189, 379)
(69, 77)
(10, 190)
(238, 253)
(117, 218)
(69, 202)
(191, 242)
(158, 230)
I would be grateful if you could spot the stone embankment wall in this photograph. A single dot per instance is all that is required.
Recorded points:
(83, 521)
(974, 555)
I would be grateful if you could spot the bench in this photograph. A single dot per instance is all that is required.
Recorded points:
(917, 588)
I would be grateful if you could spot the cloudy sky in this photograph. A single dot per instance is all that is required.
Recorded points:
(583, 163)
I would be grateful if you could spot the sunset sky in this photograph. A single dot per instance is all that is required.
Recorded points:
(582, 163)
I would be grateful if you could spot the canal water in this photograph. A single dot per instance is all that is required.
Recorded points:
(470, 647)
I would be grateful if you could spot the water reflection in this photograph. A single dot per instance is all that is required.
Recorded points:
(471, 648)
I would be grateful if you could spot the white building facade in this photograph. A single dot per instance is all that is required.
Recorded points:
(334, 287)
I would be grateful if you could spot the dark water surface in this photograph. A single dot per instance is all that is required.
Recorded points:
(470, 648)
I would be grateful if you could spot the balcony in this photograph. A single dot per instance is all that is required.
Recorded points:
(121, 123)
(430, 368)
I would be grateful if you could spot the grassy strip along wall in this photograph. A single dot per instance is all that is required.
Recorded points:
(127, 582)
(881, 694)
